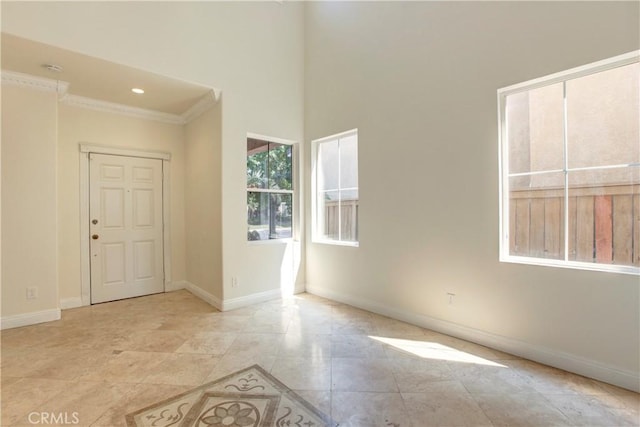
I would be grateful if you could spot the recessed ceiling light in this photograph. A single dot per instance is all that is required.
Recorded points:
(137, 90)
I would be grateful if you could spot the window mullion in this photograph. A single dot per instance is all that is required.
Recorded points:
(339, 194)
(565, 145)
(268, 190)
(543, 172)
(505, 200)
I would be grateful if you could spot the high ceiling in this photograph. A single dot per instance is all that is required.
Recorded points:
(99, 79)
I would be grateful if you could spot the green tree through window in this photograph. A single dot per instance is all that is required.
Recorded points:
(269, 190)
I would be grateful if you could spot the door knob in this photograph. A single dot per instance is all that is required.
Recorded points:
(95, 237)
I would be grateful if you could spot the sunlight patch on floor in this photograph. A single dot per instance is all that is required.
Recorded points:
(433, 350)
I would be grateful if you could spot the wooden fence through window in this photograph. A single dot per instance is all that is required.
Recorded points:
(604, 224)
(349, 227)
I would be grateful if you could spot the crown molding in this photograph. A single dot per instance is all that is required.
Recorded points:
(207, 101)
(112, 107)
(61, 88)
(32, 82)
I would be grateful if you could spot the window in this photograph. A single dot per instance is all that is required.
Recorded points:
(269, 189)
(335, 178)
(570, 168)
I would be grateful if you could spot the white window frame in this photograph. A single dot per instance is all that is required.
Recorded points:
(295, 203)
(316, 236)
(503, 150)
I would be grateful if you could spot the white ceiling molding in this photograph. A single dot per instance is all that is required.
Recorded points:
(39, 83)
(111, 107)
(62, 87)
(206, 102)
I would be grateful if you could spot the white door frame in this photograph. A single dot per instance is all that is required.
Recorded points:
(85, 259)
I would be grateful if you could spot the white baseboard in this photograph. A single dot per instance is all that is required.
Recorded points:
(66, 303)
(175, 286)
(203, 295)
(75, 302)
(569, 362)
(26, 319)
(233, 303)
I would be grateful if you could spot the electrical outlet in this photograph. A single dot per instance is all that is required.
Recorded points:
(451, 296)
(234, 282)
(32, 292)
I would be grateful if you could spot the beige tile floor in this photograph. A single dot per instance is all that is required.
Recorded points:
(364, 370)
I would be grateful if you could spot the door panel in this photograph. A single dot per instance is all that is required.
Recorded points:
(112, 173)
(125, 207)
(112, 207)
(144, 259)
(142, 174)
(113, 263)
(143, 209)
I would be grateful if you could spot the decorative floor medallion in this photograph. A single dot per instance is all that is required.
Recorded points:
(247, 398)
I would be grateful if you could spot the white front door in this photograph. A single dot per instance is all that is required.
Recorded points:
(126, 241)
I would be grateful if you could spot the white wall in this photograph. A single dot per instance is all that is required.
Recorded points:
(203, 201)
(76, 126)
(29, 240)
(252, 51)
(419, 81)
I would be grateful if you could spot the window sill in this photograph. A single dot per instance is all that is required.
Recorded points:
(270, 242)
(575, 265)
(337, 243)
